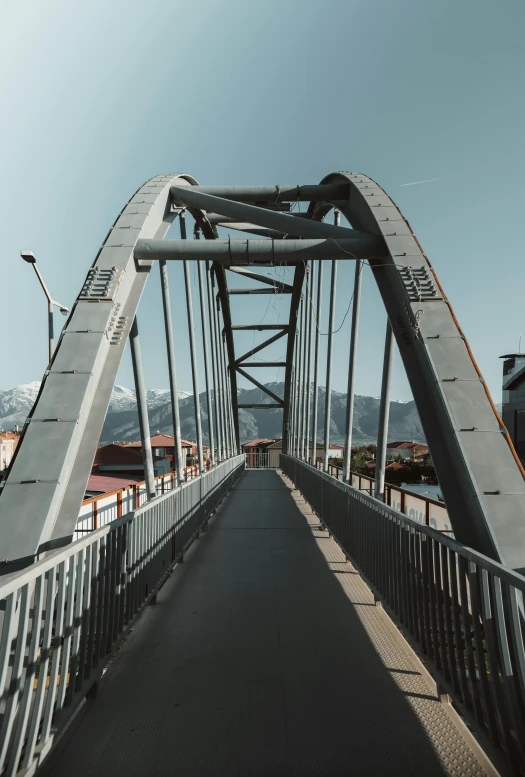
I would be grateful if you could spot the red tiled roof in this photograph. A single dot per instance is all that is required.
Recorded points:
(407, 445)
(163, 441)
(103, 484)
(254, 443)
(395, 465)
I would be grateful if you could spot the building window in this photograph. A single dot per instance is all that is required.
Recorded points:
(520, 431)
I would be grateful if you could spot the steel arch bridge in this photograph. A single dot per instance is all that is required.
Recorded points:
(479, 472)
(66, 607)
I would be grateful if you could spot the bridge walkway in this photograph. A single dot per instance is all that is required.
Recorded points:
(266, 657)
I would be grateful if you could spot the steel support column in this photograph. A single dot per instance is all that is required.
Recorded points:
(309, 297)
(300, 373)
(328, 394)
(384, 412)
(316, 360)
(351, 372)
(213, 343)
(206, 367)
(224, 402)
(194, 373)
(142, 407)
(174, 397)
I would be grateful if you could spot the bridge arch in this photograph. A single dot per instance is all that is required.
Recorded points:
(480, 475)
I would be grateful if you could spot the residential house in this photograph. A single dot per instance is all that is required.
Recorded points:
(407, 450)
(163, 446)
(8, 443)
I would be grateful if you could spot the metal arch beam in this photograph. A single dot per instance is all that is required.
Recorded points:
(44, 492)
(480, 475)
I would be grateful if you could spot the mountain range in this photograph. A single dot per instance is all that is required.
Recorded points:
(121, 424)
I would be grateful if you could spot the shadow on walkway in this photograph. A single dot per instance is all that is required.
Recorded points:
(254, 662)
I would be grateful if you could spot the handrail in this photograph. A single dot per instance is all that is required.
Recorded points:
(62, 618)
(390, 490)
(462, 611)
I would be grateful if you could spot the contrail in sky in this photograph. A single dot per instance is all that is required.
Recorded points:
(427, 180)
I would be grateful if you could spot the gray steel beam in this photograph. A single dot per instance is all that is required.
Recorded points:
(172, 372)
(275, 194)
(260, 407)
(241, 226)
(290, 350)
(351, 372)
(257, 291)
(283, 288)
(300, 374)
(258, 348)
(291, 428)
(142, 408)
(245, 252)
(206, 366)
(258, 327)
(224, 391)
(384, 412)
(316, 361)
(259, 385)
(194, 372)
(481, 479)
(328, 394)
(215, 364)
(309, 297)
(45, 492)
(283, 222)
(264, 364)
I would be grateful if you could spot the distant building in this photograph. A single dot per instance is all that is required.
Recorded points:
(163, 446)
(275, 447)
(407, 450)
(8, 443)
(124, 458)
(513, 404)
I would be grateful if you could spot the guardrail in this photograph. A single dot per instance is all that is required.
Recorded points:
(422, 509)
(65, 615)
(462, 611)
(97, 511)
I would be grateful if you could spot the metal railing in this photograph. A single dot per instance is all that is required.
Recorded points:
(64, 616)
(97, 511)
(262, 459)
(422, 509)
(462, 611)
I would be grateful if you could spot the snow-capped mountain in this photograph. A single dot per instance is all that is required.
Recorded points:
(16, 403)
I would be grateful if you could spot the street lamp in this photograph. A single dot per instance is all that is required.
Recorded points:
(29, 257)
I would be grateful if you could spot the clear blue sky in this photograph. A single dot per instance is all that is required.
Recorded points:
(98, 97)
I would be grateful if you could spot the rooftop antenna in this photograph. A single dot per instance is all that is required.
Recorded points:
(519, 345)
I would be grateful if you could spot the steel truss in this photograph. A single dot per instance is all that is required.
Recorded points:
(480, 475)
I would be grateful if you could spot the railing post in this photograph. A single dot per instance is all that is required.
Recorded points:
(384, 411)
(119, 504)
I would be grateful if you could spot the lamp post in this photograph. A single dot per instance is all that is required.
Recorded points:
(29, 257)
